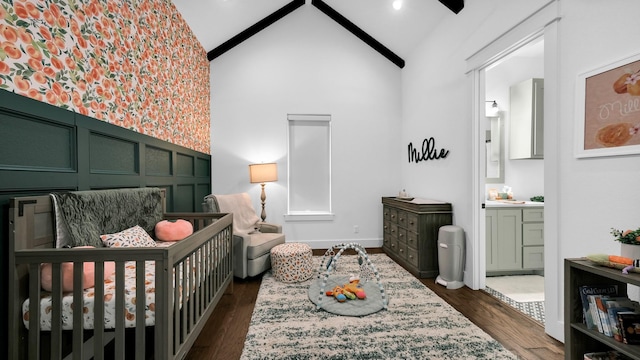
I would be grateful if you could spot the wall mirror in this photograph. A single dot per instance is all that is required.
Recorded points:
(494, 151)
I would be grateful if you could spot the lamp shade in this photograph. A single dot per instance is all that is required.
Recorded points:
(261, 173)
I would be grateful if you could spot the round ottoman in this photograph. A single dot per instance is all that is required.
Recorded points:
(292, 262)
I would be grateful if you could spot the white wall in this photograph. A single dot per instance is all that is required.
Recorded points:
(307, 63)
(589, 196)
(437, 101)
(599, 193)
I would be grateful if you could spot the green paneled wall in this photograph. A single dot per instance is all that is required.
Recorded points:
(45, 148)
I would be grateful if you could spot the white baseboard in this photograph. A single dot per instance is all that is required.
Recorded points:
(325, 244)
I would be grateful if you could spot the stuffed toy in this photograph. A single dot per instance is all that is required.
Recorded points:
(354, 287)
(173, 230)
(88, 279)
(338, 293)
(616, 262)
(350, 291)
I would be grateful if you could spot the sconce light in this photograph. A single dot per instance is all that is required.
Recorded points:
(263, 173)
(397, 4)
(493, 111)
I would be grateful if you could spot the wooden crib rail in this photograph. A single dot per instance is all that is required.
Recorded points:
(84, 345)
(177, 325)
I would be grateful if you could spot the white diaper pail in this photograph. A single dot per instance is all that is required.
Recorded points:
(451, 252)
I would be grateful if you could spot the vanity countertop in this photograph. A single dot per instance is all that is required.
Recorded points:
(512, 203)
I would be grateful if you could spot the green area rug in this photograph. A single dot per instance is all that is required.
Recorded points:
(417, 325)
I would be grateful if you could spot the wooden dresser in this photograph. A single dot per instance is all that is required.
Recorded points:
(411, 232)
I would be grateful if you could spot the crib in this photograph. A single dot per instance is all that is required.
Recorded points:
(189, 278)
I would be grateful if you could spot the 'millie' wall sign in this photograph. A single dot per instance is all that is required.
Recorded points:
(429, 151)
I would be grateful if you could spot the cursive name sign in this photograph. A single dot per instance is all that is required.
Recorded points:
(429, 151)
(623, 108)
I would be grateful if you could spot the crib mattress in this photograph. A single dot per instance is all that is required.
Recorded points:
(130, 309)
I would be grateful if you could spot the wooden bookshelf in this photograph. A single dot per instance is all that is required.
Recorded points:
(578, 339)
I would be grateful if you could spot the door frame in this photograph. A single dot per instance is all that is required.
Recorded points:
(543, 22)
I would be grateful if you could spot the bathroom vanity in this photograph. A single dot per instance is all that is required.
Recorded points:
(514, 237)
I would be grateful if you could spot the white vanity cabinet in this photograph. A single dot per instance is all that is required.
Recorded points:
(514, 239)
(526, 123)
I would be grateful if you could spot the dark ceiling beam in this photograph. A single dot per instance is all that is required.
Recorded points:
(454, 5)
(254, 29)
(355, 30)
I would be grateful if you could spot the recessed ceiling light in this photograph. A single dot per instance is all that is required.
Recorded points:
(397, 4)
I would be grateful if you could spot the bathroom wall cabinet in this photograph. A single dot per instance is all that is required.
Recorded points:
(514, 240)
(526, 127)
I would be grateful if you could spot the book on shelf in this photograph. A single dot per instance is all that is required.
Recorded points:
(601, 309)
(613, 317)
(585, 291)
(629, 323)
(593, 310)
(605, 355)
(615, 305)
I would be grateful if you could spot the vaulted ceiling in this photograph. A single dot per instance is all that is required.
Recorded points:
(220, 25)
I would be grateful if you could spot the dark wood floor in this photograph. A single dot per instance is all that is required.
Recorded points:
(223, 336)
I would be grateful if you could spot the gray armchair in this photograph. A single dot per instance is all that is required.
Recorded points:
(252, 239)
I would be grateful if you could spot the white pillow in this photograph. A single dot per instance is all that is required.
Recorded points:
(131, 237)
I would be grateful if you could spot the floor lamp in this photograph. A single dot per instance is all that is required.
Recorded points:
(263, 173)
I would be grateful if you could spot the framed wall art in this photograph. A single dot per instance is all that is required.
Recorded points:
(608, 110)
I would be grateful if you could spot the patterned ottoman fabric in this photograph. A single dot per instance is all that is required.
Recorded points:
(292, 262)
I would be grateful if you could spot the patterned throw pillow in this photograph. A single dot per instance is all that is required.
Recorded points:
(131, 237)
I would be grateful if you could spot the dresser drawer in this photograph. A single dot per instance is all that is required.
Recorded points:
(412, 222)
(412, 239)
(402, 218)
(402, 235)
(412, 256)
(386, 213)
(402, 250)
(393, 215)
(386, 241)
(393, 245)
(387, 227)
(393, 230)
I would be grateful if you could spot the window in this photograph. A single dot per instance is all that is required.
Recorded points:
(309, 167)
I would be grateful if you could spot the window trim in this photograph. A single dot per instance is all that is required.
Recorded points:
(311, 215)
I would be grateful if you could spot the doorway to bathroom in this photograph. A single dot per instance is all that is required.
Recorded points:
(542, 24)
(513, 237)
(525, 293)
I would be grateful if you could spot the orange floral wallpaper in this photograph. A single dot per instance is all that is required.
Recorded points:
(135, 64)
